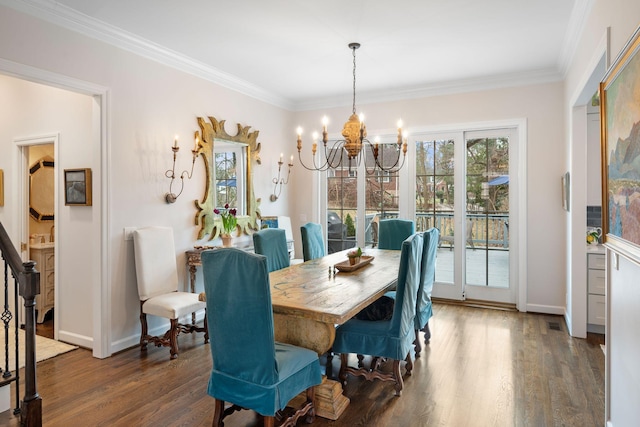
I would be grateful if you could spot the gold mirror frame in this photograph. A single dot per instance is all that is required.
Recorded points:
(210, 223)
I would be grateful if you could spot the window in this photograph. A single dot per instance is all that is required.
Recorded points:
(228, 173)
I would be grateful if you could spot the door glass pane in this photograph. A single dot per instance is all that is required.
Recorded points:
(342, 202)
(381, 191)
(435, 199)
(487, 217)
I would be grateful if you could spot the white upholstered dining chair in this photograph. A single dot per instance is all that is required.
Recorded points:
(157, 277)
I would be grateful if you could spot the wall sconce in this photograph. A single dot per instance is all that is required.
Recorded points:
(171, 197)
(279, 182)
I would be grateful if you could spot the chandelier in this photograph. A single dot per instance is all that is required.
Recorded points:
(351, 149)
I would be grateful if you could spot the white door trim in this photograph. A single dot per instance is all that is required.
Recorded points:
(101, 289)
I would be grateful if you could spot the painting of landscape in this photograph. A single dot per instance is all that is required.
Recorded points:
(622, 145)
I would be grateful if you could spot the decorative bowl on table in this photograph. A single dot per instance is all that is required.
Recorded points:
(356, 259)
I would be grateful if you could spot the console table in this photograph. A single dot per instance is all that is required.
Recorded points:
(193, 259)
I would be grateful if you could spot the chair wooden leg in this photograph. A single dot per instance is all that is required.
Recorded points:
(173, 338)
(145, 331)
(343, 368)
(269, 421)
(206, 328)
(375, 363)
(311, 415)
(329, 366)
(218, 413)
(398, 377)
(409, 366)
(427, 333)
(416, 344)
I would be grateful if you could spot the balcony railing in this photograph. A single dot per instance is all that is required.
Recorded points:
(491, 230)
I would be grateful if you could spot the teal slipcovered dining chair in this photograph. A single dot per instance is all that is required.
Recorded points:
(251, 370)
(386, 339)
(272, 243)
(392, 232)
(312, 241)
(424, 308)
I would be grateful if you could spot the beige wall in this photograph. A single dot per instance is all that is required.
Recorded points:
(148, 104)
(541, 106)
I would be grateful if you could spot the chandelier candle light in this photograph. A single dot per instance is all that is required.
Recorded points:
(354, 132)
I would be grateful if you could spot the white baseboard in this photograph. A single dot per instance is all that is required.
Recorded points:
(75, 339)
(546, 309)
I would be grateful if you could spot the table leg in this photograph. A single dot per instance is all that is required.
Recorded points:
(319, 337)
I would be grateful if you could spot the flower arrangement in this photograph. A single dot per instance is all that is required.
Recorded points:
(229, 220)
(354, 256)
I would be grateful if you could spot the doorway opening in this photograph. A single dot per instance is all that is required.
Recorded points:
(39, 215)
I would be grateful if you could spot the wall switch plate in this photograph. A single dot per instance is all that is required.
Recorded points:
(128, 233)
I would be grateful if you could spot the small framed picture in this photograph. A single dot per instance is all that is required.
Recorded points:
(77, 187)
(269, 222)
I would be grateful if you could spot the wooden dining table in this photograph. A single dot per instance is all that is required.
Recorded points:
(311, 298)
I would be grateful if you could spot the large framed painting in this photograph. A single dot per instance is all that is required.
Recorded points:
(620, 119)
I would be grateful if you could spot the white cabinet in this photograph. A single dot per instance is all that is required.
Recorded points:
(44, 257)
(596, 304)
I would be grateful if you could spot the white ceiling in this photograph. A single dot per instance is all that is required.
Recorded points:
(294, 53)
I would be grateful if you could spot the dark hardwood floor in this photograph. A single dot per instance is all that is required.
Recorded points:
(483, 367)
(45, 329)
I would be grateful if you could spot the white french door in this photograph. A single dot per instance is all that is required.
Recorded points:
(462, 183)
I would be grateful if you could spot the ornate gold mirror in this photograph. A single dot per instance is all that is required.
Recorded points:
(229, 163)
(41, 189)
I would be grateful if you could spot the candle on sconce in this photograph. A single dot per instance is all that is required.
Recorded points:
(280, 161)
(291, 161)
(325, 121)
(175, 141)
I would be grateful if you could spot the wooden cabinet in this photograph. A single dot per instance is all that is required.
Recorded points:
(45, 264)
(596, 303)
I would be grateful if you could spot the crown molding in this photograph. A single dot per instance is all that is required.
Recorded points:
(579, 16)
(438, 89)
(50, 11)
(71, 19)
